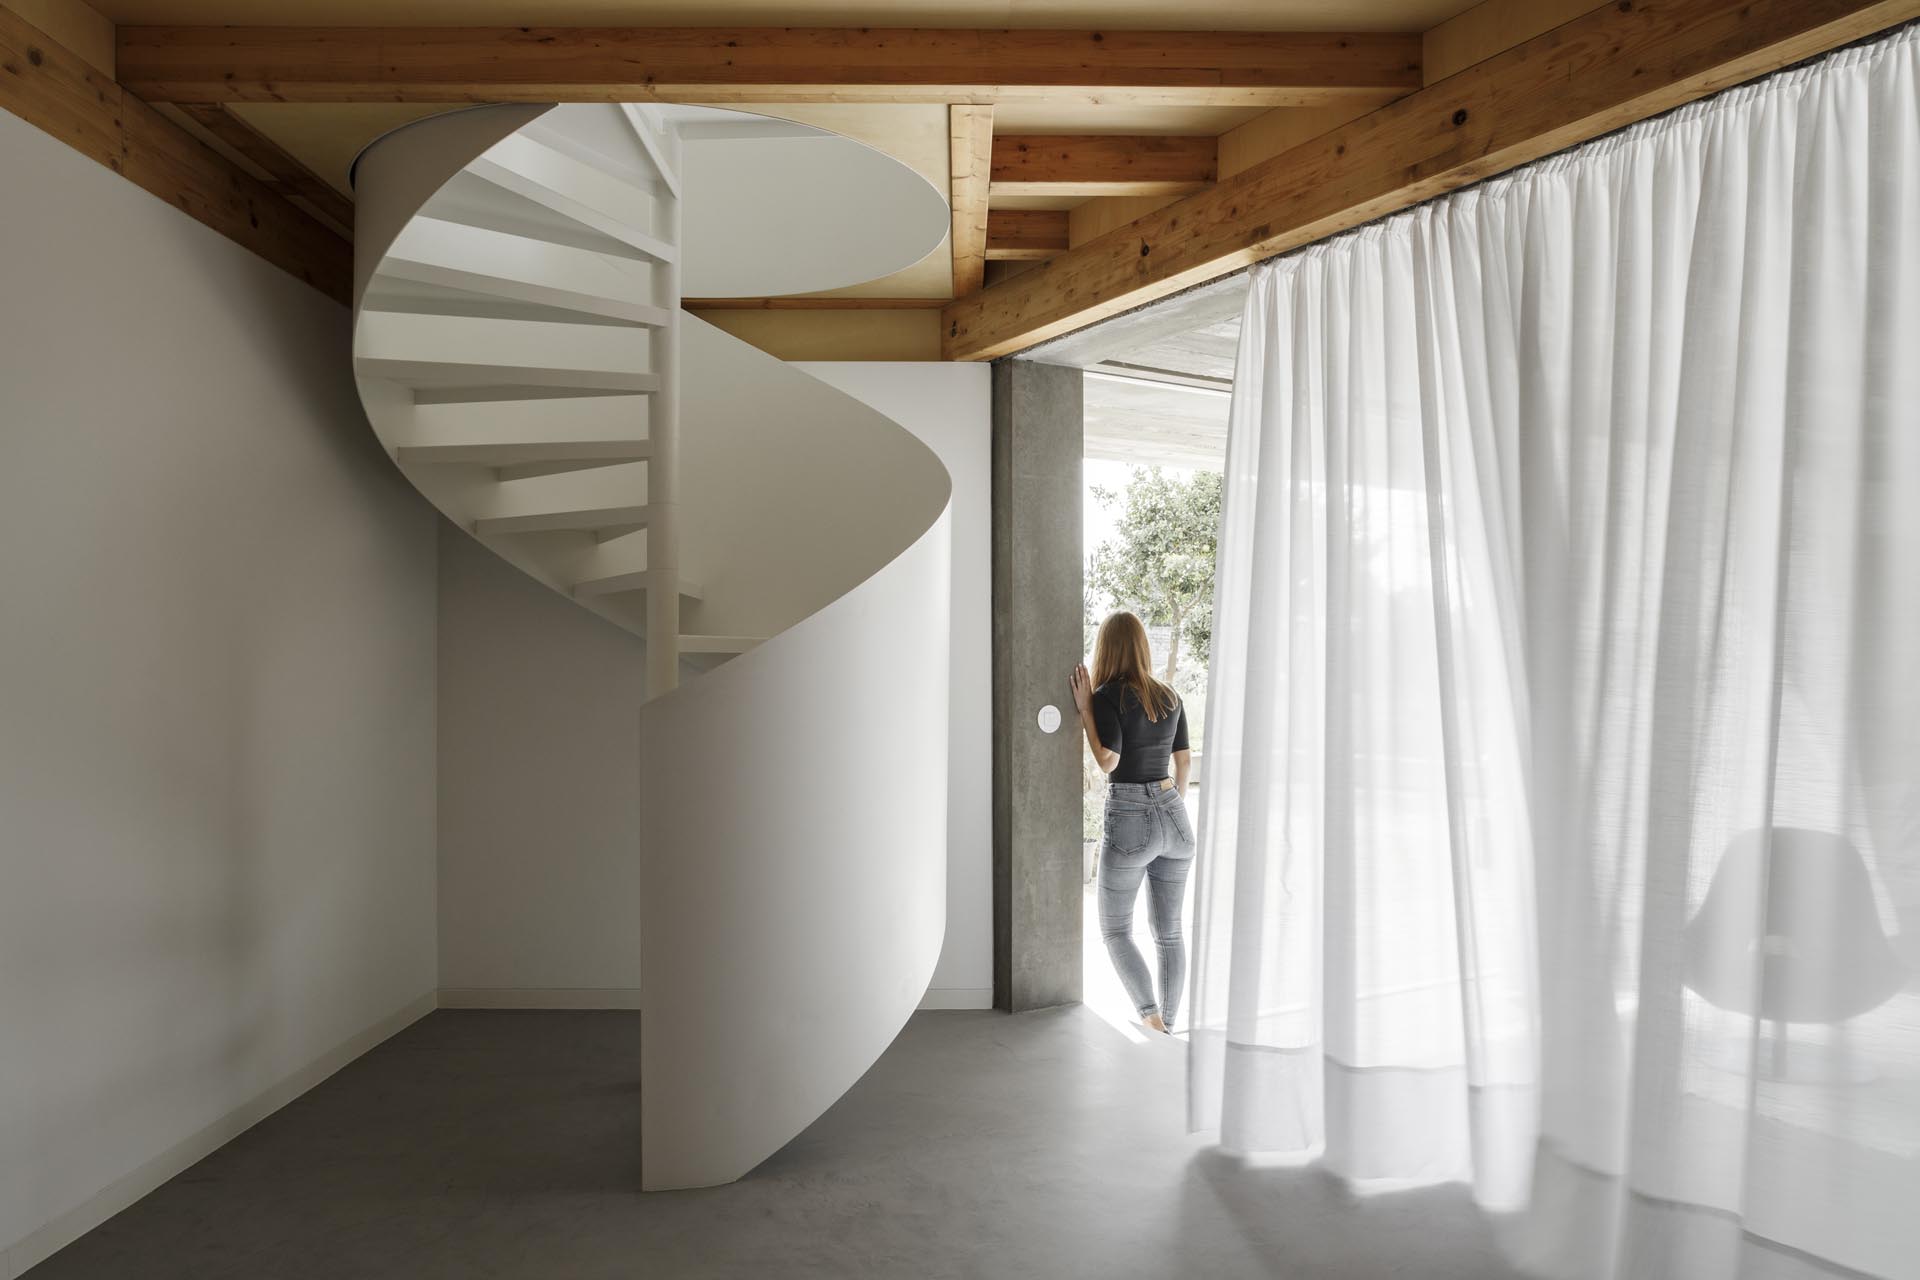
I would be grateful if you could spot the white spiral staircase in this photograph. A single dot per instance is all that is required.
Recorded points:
(522, 355)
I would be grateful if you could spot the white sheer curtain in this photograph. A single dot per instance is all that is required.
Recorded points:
(1561, 799)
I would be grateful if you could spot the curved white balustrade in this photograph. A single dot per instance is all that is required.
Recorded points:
(794, 898)
(522, 355)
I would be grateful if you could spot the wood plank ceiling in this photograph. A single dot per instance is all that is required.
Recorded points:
(1039, 125)
(1090, 167)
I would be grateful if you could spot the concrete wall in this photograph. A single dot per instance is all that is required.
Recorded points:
(1038, 602)
(539, 872)
(216, 698)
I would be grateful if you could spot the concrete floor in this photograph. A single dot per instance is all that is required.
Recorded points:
(494, 1144)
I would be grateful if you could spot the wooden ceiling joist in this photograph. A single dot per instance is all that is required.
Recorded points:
(770, 64)
(1610, 67)
(1102, 165)
(53, 89)
(970, 153)
(286, 175)
(807, 302)
(1026, 234)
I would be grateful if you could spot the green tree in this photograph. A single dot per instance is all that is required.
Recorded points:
(1159, 564)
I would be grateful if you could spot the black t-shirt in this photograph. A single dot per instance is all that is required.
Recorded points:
(1145, 746)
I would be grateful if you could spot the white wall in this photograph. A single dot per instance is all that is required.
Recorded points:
(539, 808)
(539, 871)
(217, 684)
(949, 407)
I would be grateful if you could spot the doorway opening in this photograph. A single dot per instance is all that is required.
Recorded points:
(1156, 391)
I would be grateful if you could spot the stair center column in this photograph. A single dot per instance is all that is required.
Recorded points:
(663, 429)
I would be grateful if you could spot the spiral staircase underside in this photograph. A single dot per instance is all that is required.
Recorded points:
(782, 549)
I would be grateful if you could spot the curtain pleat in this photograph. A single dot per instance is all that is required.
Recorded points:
(1561, 819)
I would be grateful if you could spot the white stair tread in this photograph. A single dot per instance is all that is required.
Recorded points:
(441, 375)
(569, 209)
(638, 580)
(503, 454)
(417, 336)
(598, 138)
(441, 351)
(548, 521)
(496, 264)
(611, 417)
(719, 644)
(492, 198)
(551, 170)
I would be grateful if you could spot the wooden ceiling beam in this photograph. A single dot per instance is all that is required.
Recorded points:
(758, 64)
(970, 147)
(53, 89)
(1102, 165)
(1026, 234)
(1608, 68)
(287, 175)
(806, 302)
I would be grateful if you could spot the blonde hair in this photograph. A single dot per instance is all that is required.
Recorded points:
(1121, 653)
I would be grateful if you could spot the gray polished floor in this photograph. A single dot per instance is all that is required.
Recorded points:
(490, 1144)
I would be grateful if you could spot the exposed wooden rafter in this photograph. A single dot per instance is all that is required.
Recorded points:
(970, 134)
(1026, 234)
(1608, 68)
(52, 88)
(287, 176)
(806, 303)
(758, 64)
(1102, 165)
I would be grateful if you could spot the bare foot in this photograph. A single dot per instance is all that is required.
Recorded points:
(1154, 1023)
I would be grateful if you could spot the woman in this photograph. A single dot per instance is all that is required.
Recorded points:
(1136, 728)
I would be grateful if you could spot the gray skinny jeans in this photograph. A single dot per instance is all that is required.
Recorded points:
(1147, 835)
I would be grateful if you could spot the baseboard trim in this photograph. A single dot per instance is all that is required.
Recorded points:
(539, 997)
(43, 1242)
(947, 998)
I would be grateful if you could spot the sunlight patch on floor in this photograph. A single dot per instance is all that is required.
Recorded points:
(1102, 992)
